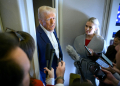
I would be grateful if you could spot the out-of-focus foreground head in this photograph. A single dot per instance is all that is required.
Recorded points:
(27, 45)
(14, 63)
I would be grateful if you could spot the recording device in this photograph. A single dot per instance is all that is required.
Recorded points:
(72, 52)
(78, 66)
(60, 59)
(51, 58)
(47, 56)
(101, 60)
(97, 72)
(88, 50)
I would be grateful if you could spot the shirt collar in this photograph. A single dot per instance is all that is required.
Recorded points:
(46, 31)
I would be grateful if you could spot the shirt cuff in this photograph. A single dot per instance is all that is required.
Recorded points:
(50, 81)
(59, 85)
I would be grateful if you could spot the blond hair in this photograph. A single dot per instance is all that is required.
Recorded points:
(45, 9)
(96, 23)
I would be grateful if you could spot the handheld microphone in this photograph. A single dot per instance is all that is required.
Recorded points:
(47, 56)
(78, 65)
(72, 52)
(60, 59)
(51, 58)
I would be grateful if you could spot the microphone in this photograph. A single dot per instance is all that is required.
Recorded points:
(47, 56)
(72, 52)
(78, 66)
(51, 58)
(60, 58)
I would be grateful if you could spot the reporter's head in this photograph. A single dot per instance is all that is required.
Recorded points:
(27, 44)
(14, 63)
(117, 48)
(117, 38)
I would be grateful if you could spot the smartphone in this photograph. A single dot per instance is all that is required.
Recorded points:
(97, 72)
(102, 63)
(88, 50)
(107, 60)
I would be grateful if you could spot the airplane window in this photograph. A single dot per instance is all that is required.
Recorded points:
(118, 17)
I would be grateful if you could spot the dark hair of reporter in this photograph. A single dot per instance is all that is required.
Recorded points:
(11, 74)
(117, 34)
(27, 45)
(7, 43)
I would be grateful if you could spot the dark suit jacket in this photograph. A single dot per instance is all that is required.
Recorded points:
(42, 41)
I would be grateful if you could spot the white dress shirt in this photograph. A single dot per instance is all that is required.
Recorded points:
(52, 39)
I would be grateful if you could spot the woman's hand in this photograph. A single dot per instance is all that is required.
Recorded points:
(92, 52)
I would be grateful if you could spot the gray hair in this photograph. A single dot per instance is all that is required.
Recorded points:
(45, 9)
(96, 23)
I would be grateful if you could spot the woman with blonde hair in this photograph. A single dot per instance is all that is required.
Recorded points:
(92, 40)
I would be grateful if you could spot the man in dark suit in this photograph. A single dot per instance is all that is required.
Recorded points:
(46, 34)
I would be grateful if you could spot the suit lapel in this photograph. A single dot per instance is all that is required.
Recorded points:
(44, 36)
(46, 39)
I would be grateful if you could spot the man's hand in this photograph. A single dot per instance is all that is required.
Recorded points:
(115, 68)
(112, 69)
(110, 79)
(50, 72)
(60, 72)
(60, 69)
(109, 69)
